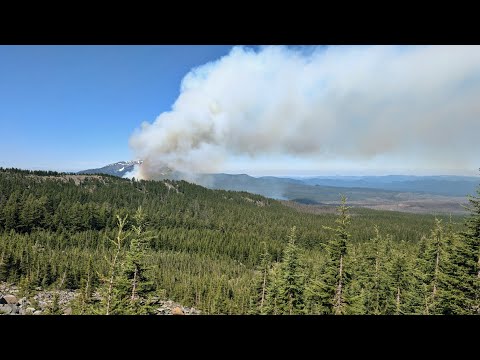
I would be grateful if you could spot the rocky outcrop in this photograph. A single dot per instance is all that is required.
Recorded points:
(11, 304)
(38, 304)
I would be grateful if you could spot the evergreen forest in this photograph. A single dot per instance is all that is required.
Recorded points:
(119, 242)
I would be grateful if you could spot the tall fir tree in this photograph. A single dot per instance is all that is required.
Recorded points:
(463, 271)
(429, 274)
(471, 249)
(399, 271)
(374, 277)
(336, 275)
(292, 285)
(285, 292)
(134, 283)
(111, 300)
(273, 303)
(258, 300)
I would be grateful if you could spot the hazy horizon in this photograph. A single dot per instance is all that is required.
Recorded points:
(259, 110)
(287, 173)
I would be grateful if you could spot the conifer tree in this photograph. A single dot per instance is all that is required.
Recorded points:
(336, 276)
(462, 273)
(11, 211)
(376, 281)
(469, 247)
(430, 271)
(400, 283)
(258, 299)
(273, 301)
(109, 292)
(292, 278)
(135, 281)
(82, 303)
(285, 291)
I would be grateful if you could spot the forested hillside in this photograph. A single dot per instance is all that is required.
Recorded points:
(227, 252)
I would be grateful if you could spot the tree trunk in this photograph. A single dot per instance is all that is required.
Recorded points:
(377, 285)
(291, 303)
(338, 300)
(112, 276)
(110, 284)
(263, 289)
(437, 261)
(398, 300)
(426, 300)
(478, 263)
(118, 243)
(134, 288)
(87, 286)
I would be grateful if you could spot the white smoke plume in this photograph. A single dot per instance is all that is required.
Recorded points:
(414, 103)
(135, 173)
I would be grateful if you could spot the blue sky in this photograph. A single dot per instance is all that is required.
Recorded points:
(74, 107)
(341, 110)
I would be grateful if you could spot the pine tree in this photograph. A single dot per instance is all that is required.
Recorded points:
(336, 276)
(135, 282)
(429, 273)
(470, 247)
(110, 298)
(292, 279)
(462, 278)
(375, 277)
(83, 303)
(26, 287)
(273, 302)
(259, 297)
(7, 266)
(400, 283)
(286, 283)
(54, 307)
(448, 283)
(11, 211)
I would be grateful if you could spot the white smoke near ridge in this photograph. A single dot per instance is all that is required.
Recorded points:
(416, 103)
(135, 173)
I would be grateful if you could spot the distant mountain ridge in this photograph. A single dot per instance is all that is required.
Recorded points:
(401, 192)
(116, 169)
(448, 185)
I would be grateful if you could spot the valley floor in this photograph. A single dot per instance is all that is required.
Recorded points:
(438, 205)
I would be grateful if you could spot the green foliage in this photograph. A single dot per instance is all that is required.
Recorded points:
(54, 307)
(292, 278)
(258, 300)
(26, 287)
(223, 251)
(462, 273)
(429, 273)
(285, 293)
(399, 271)
(373, 273)
(134, 282)
(336, 276)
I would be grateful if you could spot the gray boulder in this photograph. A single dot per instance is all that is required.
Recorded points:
(22, 301)
(15, 309)
(8, 299)
(29, 311)
(5, 309)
